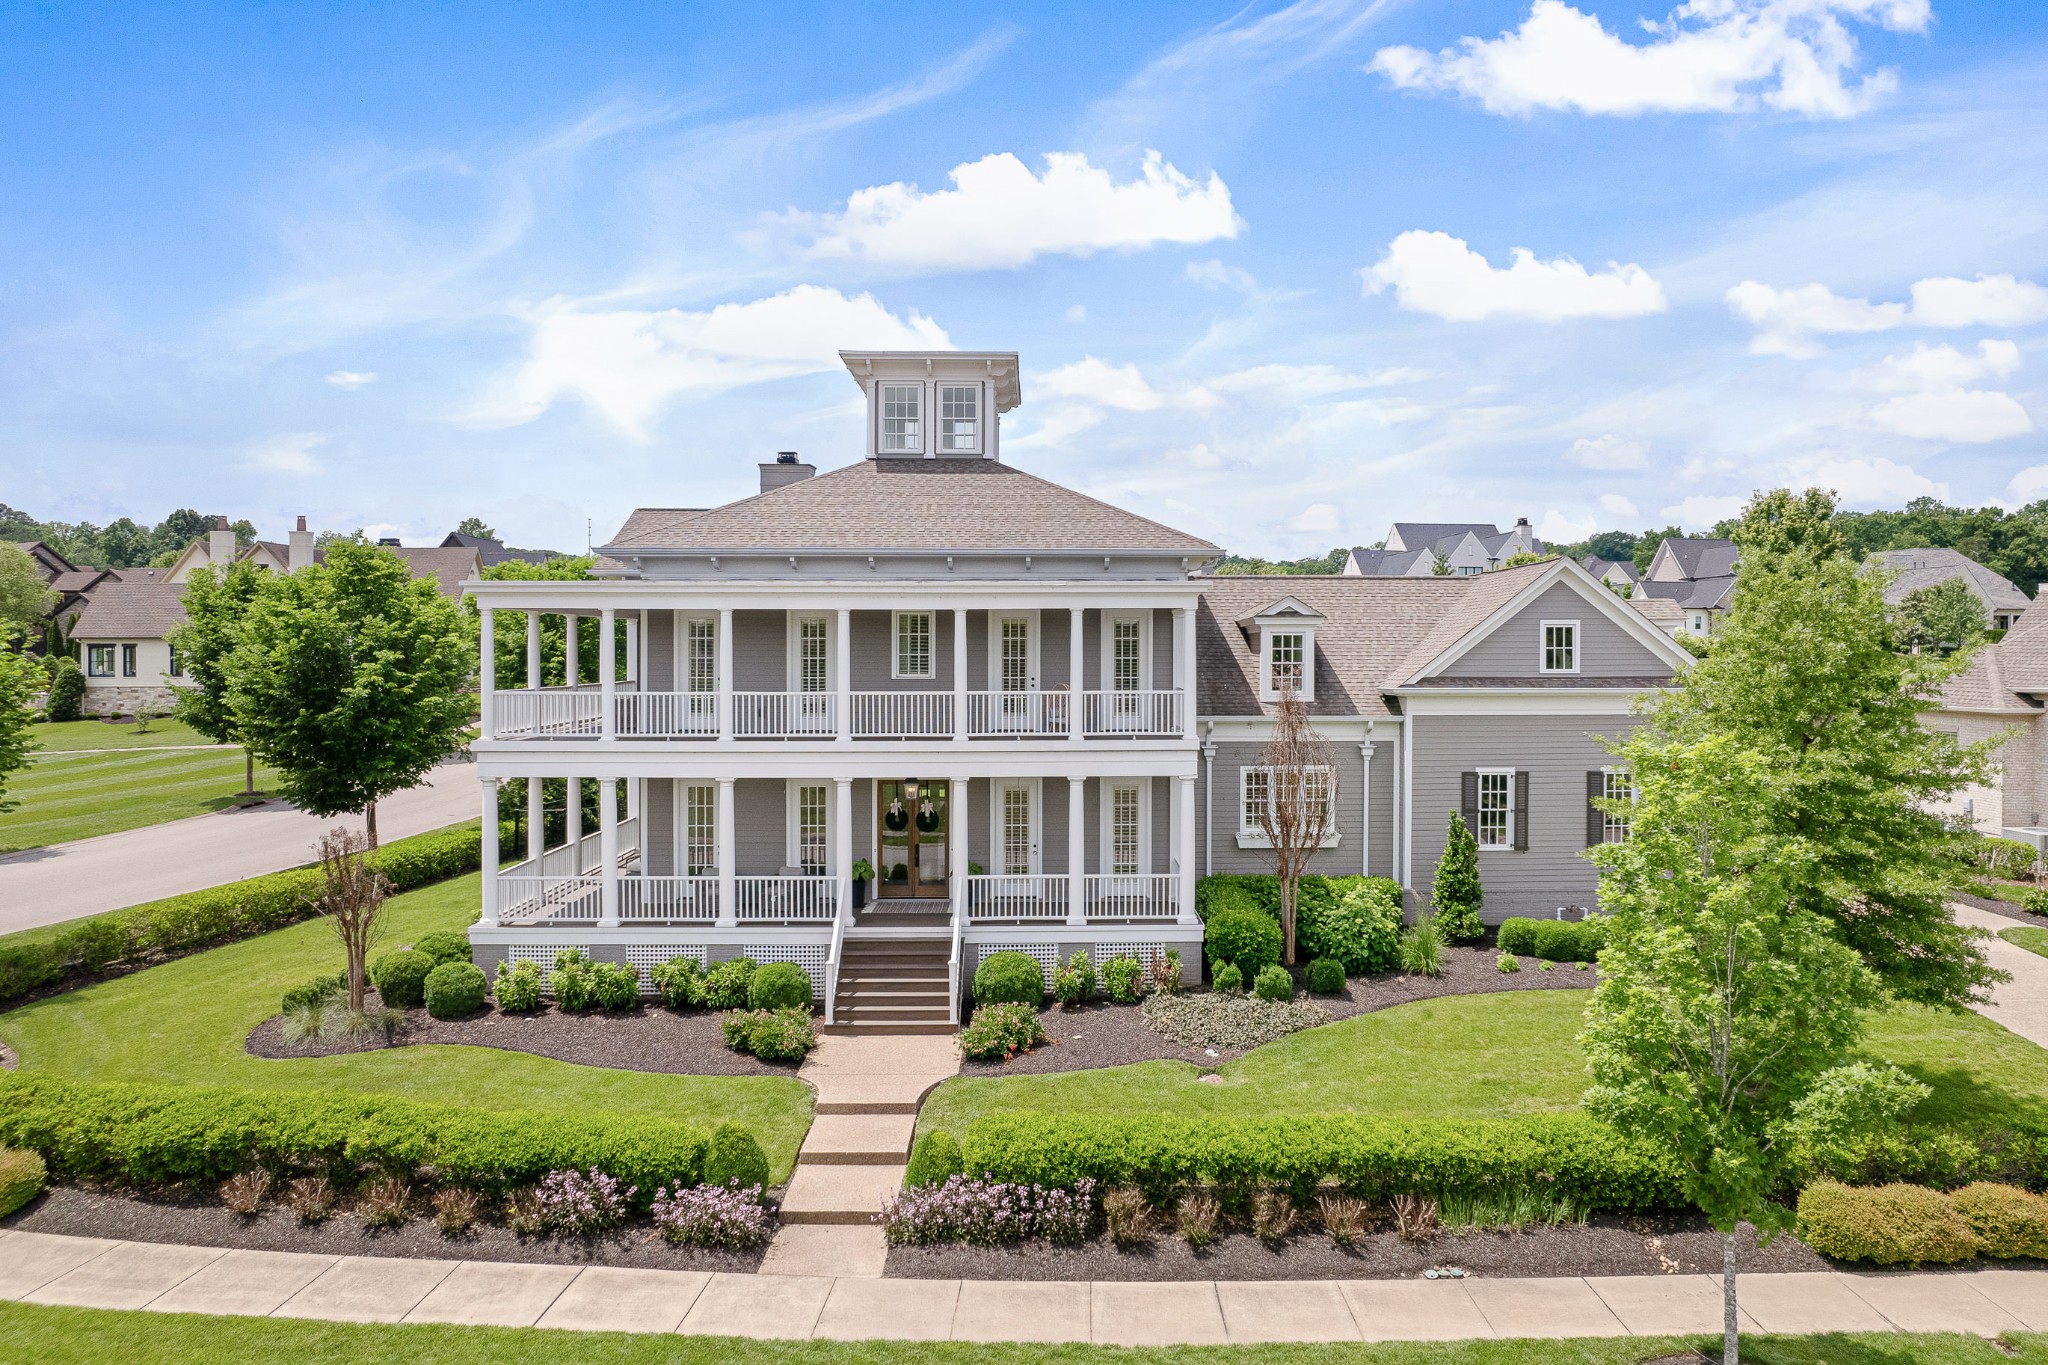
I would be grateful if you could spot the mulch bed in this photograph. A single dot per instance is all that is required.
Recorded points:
(661, 1040)
(2009, 909)
(201, 1220)
(1603, 1246)
(1101, 1034)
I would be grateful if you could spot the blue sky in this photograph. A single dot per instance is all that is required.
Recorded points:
(1278, 274)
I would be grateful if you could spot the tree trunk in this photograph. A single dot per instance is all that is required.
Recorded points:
(355, 976)
(1729, 1345)
(248, 771)
(370, 824)
(1287, 912)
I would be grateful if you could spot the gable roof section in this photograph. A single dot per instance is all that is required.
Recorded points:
(448, 566)
(1369, 625)
(131, 611)
(1982, 689)
(931, 506)
(1427, 535)
(1701, 556)
(1288, 606)
(1496, 597)
(1373, 563)
(1913, 570)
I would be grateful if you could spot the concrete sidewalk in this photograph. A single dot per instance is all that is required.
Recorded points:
(2021, 1004)
(93, 1273)
(41, 886)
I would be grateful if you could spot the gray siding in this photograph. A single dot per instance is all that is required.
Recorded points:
(873, 654)
(1055, 649)
(661, 651)
(658, 827)
(760, 809)
(1557, 752)
(759, 644)
(1514, 649)
(1345, 860)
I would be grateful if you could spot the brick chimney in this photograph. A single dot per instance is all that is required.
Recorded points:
(301, 556)
(220, 544)
(783, 471)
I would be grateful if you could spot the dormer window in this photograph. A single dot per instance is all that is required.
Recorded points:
(1284, 634)
(959, 419)
(902, 419)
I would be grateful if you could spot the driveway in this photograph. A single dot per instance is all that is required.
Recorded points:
(2021, 1004)
(41, 886)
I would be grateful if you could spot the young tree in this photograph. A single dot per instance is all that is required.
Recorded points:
(474, 526)
(1455, 895)
(1722, 999)
(1803, 675)
(1945, 615)
(216, 599)
(25, 599)
(1440, 564)
(349, 678)
(1300, 801)
(352, 896)
(20, 678)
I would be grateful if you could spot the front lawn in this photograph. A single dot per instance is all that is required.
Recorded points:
(92, 778)
(185, 1022)
(2027, 936)
(1472, 1056)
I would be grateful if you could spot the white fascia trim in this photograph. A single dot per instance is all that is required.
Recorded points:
(1255, 838)
(509, 760)
(1521, 702)
(587, 596)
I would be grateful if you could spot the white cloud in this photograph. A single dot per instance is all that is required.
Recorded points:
(1706, 56)
(1785, 319)
(1214, 274)
(2029, 485)
(1559, 529)
(998, 215)
(1987, 301)
(1199, 455)
(1077, 313)
(1867, 483)
(1943, 366)
(1099, 383)
(1617, 505)
(1964, 416)
(1608, 452)
(1320, 516)
(1300, 383)
(626, 363)
(288, 452)
(1702, 510)
(351, 379)
(1436, 273)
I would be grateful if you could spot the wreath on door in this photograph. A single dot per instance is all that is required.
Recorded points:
(896, 819)
(927, 817)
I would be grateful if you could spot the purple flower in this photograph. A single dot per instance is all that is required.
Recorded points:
(577, 1204)
(711, 1215)
(988, 1213)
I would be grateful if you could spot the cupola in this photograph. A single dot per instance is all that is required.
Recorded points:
(935, 404)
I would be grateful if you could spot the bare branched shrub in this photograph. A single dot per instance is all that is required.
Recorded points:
(1272, 1215)
(245, 1193)
(1128, 1216)
(385, 1203)
(1343, 1217)
(523, 1213)
(454, 1210)
(1300, 798)
(311, 1197)
(1414, 1216)
(353, 898)
(1196, 1216)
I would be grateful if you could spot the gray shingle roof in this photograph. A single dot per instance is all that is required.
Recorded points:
(1698, 594)
(930, 505)
(131, 611)
(1370, 625)
(1385, 563)
(1983, 686)
(1923, 568)
(1486, 594)
(1419, 535)
(1702, 556)
(448, 566)
(1600, 568)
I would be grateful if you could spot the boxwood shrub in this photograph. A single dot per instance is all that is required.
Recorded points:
(23, 1174)
(935, 1157)
(1553, 940)
(1244, 936)
(1356, 920)
(84, 949)
(1884, 1224)
(401, 977)
(444, 945)
(1009, 979)
(146, 1134)
(779, 986)
(455, 990)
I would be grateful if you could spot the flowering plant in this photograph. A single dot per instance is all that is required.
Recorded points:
(711, 1215)
(988, 1213)
(578, 1204)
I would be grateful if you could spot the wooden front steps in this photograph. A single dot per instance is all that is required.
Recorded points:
(893, 986)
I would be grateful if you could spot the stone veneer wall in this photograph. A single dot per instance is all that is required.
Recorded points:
(126, 701)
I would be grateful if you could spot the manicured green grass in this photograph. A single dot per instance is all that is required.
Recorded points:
(2026, 936)
(185, 1022)
(89, 1336)
(128, 780)
(1471, 1056)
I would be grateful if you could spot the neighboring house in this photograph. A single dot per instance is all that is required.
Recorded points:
(1697, 575)
(123, 624)
(69, 581)
(1618, 574)
(1412, 547)
(492, 552)
(1029, 710)
(1912, 570)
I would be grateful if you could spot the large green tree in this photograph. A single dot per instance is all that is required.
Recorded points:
(25, 599)
(20, 678)
(350, 679)
(216, 600)
(1803, 675)
(508, 646)
(1945, 615)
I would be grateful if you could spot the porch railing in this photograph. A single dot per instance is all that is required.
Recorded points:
(902, 715)
(667, 715)
(1017, 898)
(671, 900)
(786, 898)
(1134, 896)
(1132, 713)
(548, 900)
(1018, 714)
(546, 713)
(784, 715)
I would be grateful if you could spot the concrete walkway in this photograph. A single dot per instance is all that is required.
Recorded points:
(93, 1273)
(41, 886)
(2021, 1004)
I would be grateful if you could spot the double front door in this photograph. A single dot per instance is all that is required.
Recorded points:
(911, 816)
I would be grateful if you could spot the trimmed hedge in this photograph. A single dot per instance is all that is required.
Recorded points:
(1553, 940)
(1009, 978)
(85, 948)
(1567, 1156)
(733, 1157)
(401, 978)
(935, 1157)
(22, 1177)
(1356, 920)
(1245, 936)
(779, 986)
(130, 1134)
(1885, 1224)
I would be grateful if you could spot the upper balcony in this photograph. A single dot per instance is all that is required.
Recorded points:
(915, 671)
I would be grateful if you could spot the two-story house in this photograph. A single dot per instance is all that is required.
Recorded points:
(1693, 578)
(1029, 712)
(1412, 549)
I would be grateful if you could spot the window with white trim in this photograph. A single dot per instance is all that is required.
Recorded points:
(1560, 647)
(99, 661)
(1618, 786)
(1496, 808)
(959, 418)
(812, 827)
(700, 658)
(1284, 664)
(1126, 654)
(1256, 785)
(913, 644)
(700, 828)
(902, 408)
(1126, 829)
(813, 654)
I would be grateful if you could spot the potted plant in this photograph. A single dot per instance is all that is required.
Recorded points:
(863, 873)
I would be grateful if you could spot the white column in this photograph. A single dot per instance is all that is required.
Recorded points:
(572, 824)
(1365, 804)
(608, 852)
(959, 673)
(607, 675)
(1076, 618)
(569, 669)
(1184, 667)
(632, 797)
(489, 859)
(536, 822)
(633, 633)
(957, 843)
(842, 668)
(1184, 840)
(532, 650)
(725, 725)
(728, 842)
(487, 674)
(842, 844)
(1077, 848)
